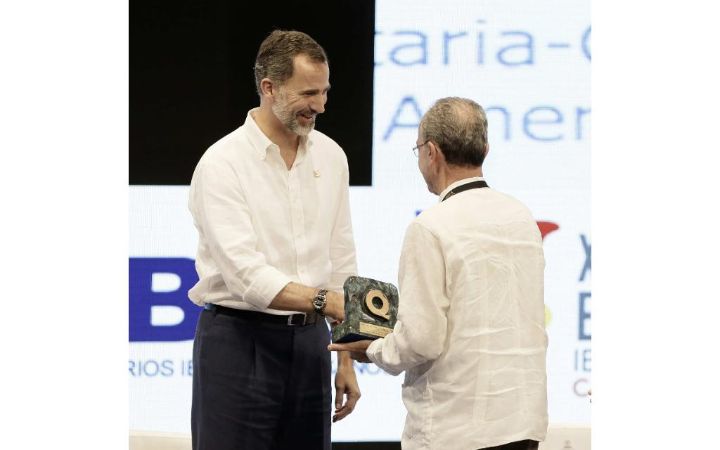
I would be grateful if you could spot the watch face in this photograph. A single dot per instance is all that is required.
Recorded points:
(319, 301)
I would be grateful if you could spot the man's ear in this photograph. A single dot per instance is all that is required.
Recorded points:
(487, 150)
(267, 87)
(435, 153)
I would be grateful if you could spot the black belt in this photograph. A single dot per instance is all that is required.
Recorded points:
(293, 320)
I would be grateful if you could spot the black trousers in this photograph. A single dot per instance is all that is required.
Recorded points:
(527, 444)
(260, 386)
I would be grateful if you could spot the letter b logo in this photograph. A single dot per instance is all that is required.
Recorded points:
(149, 296)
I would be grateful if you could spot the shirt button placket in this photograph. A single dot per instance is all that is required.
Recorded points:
(297, 219)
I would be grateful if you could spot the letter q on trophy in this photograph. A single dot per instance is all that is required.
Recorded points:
(370, 310)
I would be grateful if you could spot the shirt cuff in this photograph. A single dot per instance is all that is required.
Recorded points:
(373, 351)
(265, 288)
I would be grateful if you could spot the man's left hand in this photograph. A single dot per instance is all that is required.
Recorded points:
(347, 391)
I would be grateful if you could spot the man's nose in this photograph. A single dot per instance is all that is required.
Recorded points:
(318, 103)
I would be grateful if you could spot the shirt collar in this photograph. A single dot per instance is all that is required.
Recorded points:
(262, 144)
(458, 183)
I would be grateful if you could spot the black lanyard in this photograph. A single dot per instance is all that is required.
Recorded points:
(472, 185)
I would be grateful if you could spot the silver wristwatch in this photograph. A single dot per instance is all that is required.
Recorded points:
(320, 301)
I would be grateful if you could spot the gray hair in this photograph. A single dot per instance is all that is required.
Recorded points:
(275, 56)
(459, 127)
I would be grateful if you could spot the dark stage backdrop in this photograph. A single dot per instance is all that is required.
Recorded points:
(191, 78)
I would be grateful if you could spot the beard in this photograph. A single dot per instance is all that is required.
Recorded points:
(289, 118)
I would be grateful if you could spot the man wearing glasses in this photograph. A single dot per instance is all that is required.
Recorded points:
(470, 332)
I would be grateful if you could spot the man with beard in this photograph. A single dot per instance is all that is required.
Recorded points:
(270, 203)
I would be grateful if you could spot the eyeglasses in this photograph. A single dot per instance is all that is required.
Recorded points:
(417, 148)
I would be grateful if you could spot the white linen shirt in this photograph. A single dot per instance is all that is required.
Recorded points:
(470, 333)
(262, 226)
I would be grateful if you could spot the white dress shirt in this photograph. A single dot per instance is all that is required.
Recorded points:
(470, 333)
(262, 226)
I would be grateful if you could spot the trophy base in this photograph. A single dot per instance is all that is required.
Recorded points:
(344, 333)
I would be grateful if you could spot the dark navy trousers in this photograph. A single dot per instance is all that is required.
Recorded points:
(259, 385)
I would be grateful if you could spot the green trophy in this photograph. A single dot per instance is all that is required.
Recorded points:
(370, 310)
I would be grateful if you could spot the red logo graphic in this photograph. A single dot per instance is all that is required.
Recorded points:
(547, 228)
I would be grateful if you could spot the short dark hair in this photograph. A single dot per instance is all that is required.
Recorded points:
(459, 127)
(275, 56)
